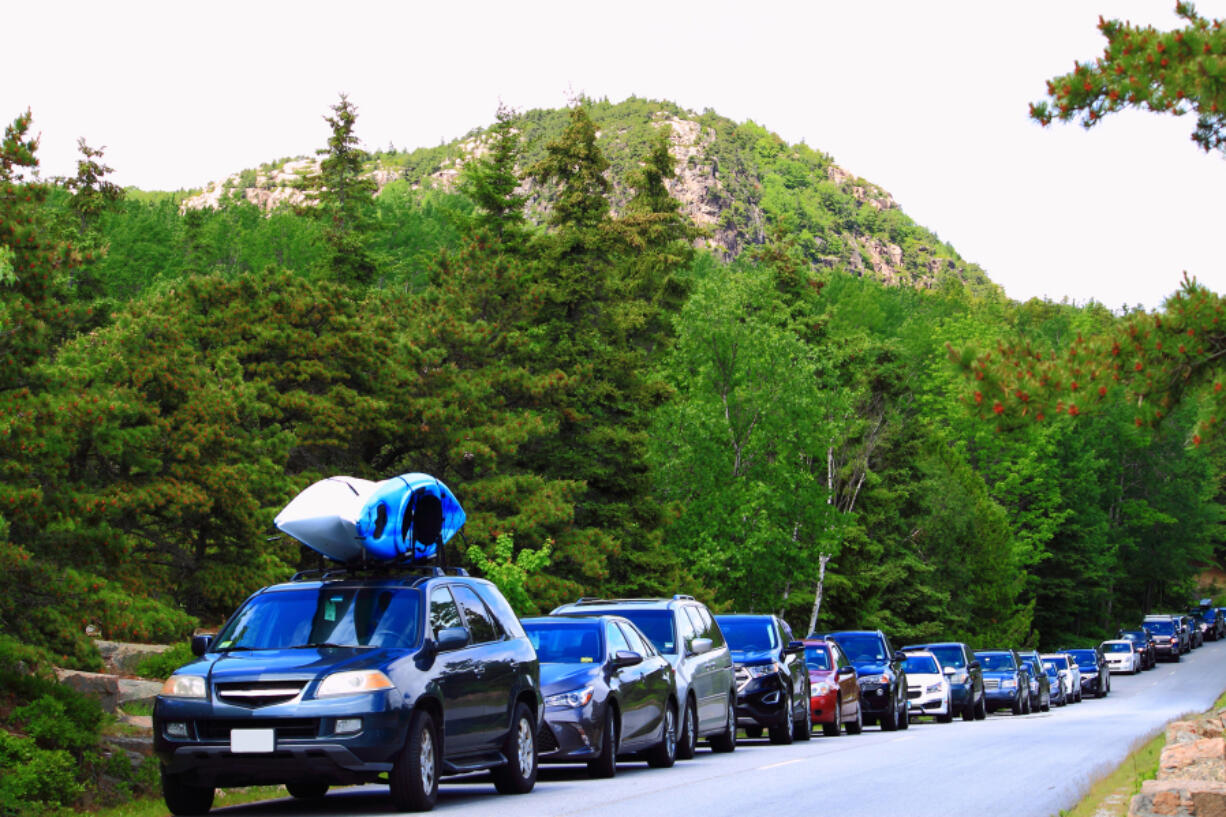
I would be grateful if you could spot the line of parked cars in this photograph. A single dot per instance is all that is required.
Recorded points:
(403, 678)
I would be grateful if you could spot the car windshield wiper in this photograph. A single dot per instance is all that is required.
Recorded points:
(237, 648)
(330, 644)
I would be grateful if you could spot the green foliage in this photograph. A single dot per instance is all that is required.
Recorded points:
(511, 571)
(162, 665)
(34, 778)
(344, 197)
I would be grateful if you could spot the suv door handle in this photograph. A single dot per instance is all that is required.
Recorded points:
(479, 670)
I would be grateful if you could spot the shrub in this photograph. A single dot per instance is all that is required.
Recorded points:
(34, 778)
(162, 665)
(61, 724)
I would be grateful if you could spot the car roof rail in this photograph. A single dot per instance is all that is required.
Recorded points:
(390, 571)
(683, 596)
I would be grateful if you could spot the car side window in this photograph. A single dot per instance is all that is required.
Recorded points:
(480, 622)
(636, 642)
(443, 611)
(785, 632)
(614, 638)
(686, 632)
(504, 616)
(840, 660)
(710, 628)
(696, 621)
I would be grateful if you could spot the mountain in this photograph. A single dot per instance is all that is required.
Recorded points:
(738, 181)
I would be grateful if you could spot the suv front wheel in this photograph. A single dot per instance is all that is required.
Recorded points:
(413, 781)
(518, 776)
(182, 798)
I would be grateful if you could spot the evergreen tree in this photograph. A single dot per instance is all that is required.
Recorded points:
(492, 182)
(345, 197)
(92, 192)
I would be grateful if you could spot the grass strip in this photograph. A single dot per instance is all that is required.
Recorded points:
(1110, 795)
(155, 807)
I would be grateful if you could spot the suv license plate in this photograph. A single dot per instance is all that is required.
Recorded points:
(250, 741)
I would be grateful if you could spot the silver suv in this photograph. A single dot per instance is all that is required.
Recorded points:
(686, 634)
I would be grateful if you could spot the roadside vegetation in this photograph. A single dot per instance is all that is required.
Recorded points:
(622, 410)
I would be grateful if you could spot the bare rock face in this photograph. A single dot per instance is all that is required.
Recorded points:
(1179, 798)
(1191, 772)
(1201, 759)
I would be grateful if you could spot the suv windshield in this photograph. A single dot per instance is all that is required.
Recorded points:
(749, 634)
(566, 642)
(325, 616)
(1161, 627)
(1086, 659)
(995, 661)
(950, 656)
(1060, 662)
(656, 625)
(861, 648)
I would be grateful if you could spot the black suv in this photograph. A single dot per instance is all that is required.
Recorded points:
(339, 678)
(879, 670)
(1095, 676)
(686, 634)
(1040, 683)
(772, 680)
(964, 675)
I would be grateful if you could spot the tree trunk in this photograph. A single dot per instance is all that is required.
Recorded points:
(817, 599)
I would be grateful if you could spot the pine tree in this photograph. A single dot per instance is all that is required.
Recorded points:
(492, 181)
(346, 197)
(92, 192)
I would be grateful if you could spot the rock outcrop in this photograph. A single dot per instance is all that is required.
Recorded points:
(1191, 780)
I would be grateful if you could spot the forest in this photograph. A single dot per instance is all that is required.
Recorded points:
(626, 402)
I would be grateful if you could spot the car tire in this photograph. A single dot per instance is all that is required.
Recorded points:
(968, 711)
(605, 766)
(184, 798)
(413, 780)
(1018, 707)
(687, 742)
(781, 734)
(664, 754)
(725, 741)
(889, 719)
(312, 790)
(948, 717)
(1102, 690)
(753, 731)
(981, 711)
(802, 729)
(857, 726)
(518, 776)
(833, 730)
(904, 717)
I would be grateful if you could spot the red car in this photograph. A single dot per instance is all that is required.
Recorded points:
(834, 700)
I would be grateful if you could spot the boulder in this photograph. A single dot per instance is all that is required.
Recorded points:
(138, 690)
(121, 657)
(1200, 759)
(1179, 798)
(100, 686)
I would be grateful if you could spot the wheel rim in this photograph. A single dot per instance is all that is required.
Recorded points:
(691, 737)
(527, 757)
(670, 733)
(425, 760)
(838, 714)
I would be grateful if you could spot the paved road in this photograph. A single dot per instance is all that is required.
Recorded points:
(1029, 766)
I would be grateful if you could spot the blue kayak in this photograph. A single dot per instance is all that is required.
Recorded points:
(405, 518)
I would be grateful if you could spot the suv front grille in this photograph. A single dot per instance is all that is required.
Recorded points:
(286, 728)
(254, 694)
(991, 683)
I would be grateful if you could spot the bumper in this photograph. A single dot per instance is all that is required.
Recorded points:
(998, 698)
(1113, 666)
(821, 707)
(305, 745)
(570, 735)
(761, 702)
(933, 703)
(1167, 650)
(875, 701)
(1090, 683)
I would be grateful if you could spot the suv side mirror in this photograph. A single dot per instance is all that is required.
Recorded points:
(700, 645)
(200, 644)
(794, 648)
(451, 638)
(625, 658)
(844, 671)
(949, 671)
(973, 665)
(900, 657)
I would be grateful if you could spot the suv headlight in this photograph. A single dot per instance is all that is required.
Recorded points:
(570, 700)
(960, 677)
(184, 686)
(758, 670)
(1008, 683)
(353, 682)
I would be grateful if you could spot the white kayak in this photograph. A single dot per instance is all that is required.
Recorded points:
(325, 514)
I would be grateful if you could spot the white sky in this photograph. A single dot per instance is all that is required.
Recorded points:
(926, 99)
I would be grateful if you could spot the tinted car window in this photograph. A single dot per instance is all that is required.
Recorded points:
(656, 625)
(995, 661)
(1117, 648)
(700, 627)
(710, 628)
(1059, 662)
(565, 643)
(949, 656)
(751, 634)
(1086, 659)
(1160, 627)
(840, 660)
(817, 658)
(685, 627)
(368, 617)
(921, 664)
(636, 642)
(503, 614)
(863, 648)
(615, 638)
(443, 610)
(480, 622)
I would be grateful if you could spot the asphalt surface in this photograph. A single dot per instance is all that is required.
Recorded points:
(1023, 766)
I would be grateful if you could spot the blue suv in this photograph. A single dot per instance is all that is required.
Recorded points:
(341, 678)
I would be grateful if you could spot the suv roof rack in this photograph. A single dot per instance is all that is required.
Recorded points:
(334, 573)
(683, 596)
(598, 600)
